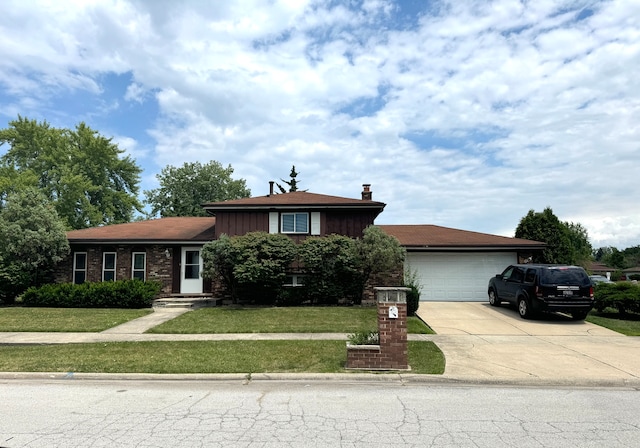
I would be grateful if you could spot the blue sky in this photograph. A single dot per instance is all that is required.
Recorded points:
(461, 114)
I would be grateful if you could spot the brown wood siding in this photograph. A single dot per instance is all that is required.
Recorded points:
(346, 223)
(239, 223)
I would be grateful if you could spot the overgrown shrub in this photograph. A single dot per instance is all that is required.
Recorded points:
(251, 266)
(623, 296)
(332, 269)
(413, 295)
(292, 296)
(119, 294)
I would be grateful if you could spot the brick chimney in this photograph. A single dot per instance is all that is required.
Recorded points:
(366, 192)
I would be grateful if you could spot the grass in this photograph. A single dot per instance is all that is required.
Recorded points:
(201, 357)
(65, 319)
(628, 324)
(280, 320)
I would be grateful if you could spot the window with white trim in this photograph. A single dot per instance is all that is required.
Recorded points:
(294, 222)
(139, 265)
(294, 280)
(79, 267)
(108, 266)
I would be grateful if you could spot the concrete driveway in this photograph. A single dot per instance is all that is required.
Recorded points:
(484, 344)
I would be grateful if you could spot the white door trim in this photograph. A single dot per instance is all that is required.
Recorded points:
(190, 273)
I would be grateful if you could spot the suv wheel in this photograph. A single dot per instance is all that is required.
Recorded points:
(579, 315)
(523, 308)
(493, 298)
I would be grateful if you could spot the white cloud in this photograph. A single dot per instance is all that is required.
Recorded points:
(468, 118)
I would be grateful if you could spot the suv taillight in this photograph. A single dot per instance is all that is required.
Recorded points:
(591, 292)
(538, 291)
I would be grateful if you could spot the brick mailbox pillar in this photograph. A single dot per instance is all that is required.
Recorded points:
(391, 354)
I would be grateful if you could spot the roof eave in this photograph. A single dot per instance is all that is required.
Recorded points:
(468, 248)
(135, 241)
(379, 207)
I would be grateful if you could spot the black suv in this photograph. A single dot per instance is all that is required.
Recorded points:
(534, 287)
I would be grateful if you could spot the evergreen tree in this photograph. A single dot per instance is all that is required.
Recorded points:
(292, 183)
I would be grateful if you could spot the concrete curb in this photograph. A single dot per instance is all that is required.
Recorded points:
(371, 378)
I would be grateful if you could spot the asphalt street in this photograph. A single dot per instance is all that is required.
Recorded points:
(128, 413)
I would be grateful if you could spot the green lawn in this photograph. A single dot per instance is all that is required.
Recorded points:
(65, 319)
(280, 320)
(201, 357)
(628, 324)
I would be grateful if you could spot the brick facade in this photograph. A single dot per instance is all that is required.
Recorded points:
(158, 266)
(392, 353)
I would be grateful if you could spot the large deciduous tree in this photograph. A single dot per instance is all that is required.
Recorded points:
(33, 241)
(184, 189)
(81, 172)
(567, 243)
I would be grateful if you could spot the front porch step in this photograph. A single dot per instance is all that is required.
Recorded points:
(192, 301)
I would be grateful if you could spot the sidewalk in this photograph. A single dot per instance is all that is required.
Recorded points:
(481, 344)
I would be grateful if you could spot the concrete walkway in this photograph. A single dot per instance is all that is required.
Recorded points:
(481, 344)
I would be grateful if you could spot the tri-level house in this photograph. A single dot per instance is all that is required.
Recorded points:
(450, 264)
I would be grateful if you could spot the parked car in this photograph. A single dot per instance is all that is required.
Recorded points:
(537, 288)
(599, 279)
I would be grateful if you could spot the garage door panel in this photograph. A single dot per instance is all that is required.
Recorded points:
(459, 276)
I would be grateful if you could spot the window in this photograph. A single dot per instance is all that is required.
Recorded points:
(79, 267)
(531, 276)
(139, 265)
(295, 222)
(192, 264)
(108, 266)
(294, 280)
(518, 275)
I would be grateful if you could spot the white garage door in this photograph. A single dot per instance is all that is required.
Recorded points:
(457, 276)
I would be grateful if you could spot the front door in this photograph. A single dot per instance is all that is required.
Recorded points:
(190, 269)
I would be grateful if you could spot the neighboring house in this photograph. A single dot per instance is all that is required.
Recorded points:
(600, 269)
(631, 271)
(451, 264)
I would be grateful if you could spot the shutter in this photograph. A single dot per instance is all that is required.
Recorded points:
(273, 222)
(315, 223)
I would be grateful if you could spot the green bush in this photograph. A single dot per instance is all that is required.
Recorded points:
(332, 269)
(120, 294)
(623, 296)
(364, 338)
(292, 296)
(413, 295)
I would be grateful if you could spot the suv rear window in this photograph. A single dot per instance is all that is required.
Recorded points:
(565, 276)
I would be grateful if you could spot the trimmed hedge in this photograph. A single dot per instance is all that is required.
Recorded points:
(623, 296)
(119, 294)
